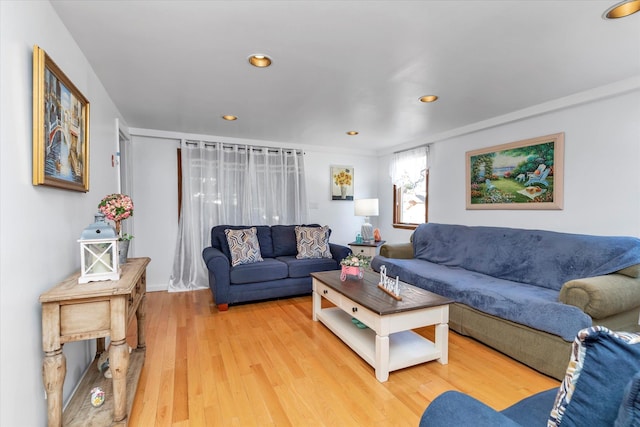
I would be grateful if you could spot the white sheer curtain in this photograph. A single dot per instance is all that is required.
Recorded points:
(408, 167)
(236, 185)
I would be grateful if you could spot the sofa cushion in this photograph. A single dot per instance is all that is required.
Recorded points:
(602, 362)
(219, 239)
(243, 245)
(312, 242)
(529, 305)
(633, 271)
(284, 239)
(304, 267)
(538, 257)
(629, 412)
(268, 269)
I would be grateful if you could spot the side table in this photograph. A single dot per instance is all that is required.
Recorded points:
(369, 249)
(74, 312)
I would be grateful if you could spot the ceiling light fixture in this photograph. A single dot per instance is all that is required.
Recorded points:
(352, 132)
(259, 60)
(428, 98)
(622, 9)
(229, 117)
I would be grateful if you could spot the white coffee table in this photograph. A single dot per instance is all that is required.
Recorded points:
(388, 344)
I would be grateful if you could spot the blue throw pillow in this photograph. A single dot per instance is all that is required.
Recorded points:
(602, 362)
(629, 412)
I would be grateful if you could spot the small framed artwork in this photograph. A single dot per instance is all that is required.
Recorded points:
(60, 128)
(341, 182)
(525, 174)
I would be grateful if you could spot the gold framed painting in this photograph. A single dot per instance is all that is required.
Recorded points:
(525, 174)
(60, 128)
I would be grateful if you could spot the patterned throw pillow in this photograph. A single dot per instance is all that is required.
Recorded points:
(313, 242)
(243, 245)
(601, 365)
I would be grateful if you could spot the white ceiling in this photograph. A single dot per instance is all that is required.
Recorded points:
(346, 65)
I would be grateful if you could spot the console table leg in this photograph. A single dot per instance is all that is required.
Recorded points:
(382, 358)
(54, 369)
(119, 363)
(141, 315)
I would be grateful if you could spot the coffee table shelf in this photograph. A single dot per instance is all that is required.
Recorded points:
(406, 348)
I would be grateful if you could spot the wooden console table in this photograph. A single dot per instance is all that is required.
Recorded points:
(74, 312)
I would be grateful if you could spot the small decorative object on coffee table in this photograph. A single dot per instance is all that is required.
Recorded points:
(352, 266)
(390, 286)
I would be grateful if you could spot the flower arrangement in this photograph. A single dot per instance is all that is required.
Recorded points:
(356, 260)
(342, 178)
(117, 207)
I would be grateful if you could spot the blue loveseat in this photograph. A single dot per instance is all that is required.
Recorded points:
(601, 389)
(280, 274)
(524, 292)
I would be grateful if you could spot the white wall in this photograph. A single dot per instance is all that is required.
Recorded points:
(601, 179)
(155, 195)
(40, 225)
(338, 214)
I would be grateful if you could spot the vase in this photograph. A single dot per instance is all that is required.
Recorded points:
(351, 273)
(343, 191)
(123, 251)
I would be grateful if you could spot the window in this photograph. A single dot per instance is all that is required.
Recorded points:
(410, 177)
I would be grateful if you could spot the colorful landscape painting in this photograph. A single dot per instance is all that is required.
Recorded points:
(519, 175)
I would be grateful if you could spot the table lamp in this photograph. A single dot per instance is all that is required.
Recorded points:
(366, 208)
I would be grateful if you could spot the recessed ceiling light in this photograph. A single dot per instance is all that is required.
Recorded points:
(352, 132)
(229, 117)
(622, 9)
(428, 98)
(259, 60)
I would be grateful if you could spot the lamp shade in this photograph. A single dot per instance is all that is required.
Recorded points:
(366, 207)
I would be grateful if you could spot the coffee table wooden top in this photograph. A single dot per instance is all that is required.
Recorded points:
(366, 293)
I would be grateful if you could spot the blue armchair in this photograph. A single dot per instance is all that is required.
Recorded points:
(601, 388)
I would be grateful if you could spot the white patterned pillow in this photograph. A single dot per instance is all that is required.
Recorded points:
(243, 245)
(313, 242)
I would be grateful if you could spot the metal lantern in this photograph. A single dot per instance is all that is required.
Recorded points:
(98, 252)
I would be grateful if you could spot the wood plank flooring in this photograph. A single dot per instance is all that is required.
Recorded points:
(269, 364)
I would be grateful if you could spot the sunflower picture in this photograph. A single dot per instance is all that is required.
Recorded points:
(341, 183)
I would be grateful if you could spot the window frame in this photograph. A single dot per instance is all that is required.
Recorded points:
(397, 207)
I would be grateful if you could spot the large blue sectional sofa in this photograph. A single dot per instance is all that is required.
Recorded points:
(280, 274)
(524, 292)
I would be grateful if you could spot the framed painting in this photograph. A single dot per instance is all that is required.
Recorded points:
(519, 175)
(60, 128)
(341, 182)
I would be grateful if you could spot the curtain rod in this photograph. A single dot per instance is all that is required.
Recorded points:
(245, 147)
(413, 148)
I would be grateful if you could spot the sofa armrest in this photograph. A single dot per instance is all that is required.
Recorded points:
(218, 265)
(453, 408)
(397, 250)
(602, 296)
(339, 252)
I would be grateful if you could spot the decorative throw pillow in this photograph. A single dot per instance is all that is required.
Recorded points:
(243, 245)
(601, 364)
(629, 412)
(313, 242)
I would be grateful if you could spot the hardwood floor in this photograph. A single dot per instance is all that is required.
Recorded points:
(268, 363)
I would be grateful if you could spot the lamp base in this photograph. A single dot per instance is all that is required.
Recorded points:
(367, 232)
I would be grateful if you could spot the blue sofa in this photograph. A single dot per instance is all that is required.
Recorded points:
(601, 388)
(524, 292)
(280, 274)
